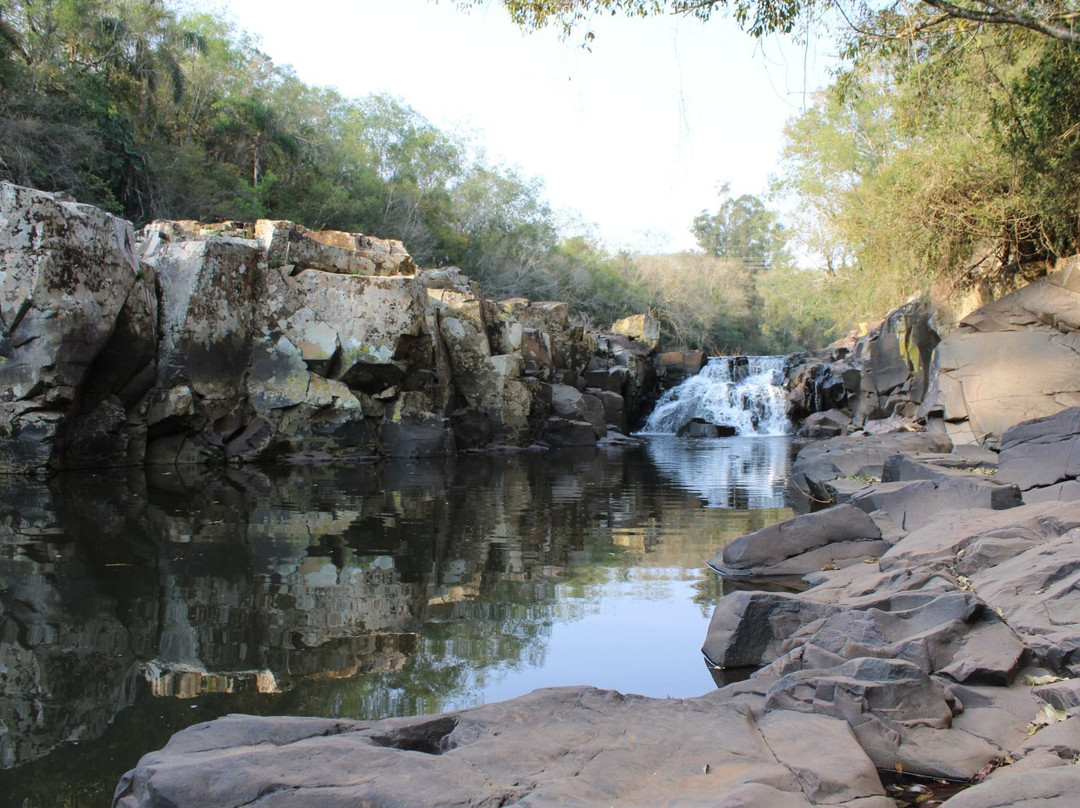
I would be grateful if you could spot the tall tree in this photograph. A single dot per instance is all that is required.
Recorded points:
(744, 229)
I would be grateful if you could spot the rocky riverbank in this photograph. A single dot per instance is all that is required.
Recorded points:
(938, 635)
(190, 343)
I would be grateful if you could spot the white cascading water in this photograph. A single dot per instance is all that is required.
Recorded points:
(749, 397)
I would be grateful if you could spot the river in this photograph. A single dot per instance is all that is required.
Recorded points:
(135, 604)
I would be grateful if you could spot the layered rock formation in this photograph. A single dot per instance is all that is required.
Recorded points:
(191, 343)
(1012, 360)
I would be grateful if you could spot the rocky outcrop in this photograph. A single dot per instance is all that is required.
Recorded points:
(561, 746)
(873, 383)
(1013, 360)
(191, 343)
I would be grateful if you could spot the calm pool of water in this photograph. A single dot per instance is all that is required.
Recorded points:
(133, 605)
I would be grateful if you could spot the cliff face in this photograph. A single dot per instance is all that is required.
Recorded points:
(190, 343)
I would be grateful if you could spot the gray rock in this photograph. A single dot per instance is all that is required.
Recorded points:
(1035, 592)
(1043, 456)
(912, 503)
(937, 543)
(1054, 788)
(1063, 695)
(1029, 334)
(900, 715)
(562, 746)
(820, 463)
(66, 274)
(843, 533)
(749, 629)
(827, 424)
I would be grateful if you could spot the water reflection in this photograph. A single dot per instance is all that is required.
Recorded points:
(743, 473)
(133, 606)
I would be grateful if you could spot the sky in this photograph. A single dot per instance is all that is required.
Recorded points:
(633, 136)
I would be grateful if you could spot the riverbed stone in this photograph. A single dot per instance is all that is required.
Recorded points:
(820, 463)
(900, 714)
(750, 629)
(1054, 788)
(841, 534)
(937, 543)
(559, 746)
(1043, 457)
(1035, 591)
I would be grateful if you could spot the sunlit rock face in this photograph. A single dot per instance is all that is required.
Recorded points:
(228, 343)
(1013, 360)
(70, 283)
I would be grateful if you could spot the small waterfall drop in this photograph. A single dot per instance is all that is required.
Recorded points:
(744, 392)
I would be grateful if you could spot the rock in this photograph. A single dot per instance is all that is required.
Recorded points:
(640, 327)
(1056, 788)
(557, 746)
(1063, 695)
(1028, 334)
(1035, 592)
(911, 503)
(331, 251)
(560, 431)
(881, 379)
(844, 533)
(674, 367)
(827, 424)
(700, 428)
(938, 542)
(900, 715)
(472, 429)
(66, 274)
(1043, 456)
(819, 464)
(749, 629)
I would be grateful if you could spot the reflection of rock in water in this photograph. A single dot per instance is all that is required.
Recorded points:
(197, 584)
(730, 473)
(414, 583)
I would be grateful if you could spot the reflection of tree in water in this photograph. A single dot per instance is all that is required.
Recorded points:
(363, 592)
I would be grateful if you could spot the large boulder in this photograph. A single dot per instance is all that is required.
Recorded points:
(817, 466)
(67, 273)
(560, 746)
(901, 716)
(806, 543)
(1013, 360)
(1042, 457)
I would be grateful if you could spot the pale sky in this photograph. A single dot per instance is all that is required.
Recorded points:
(635, 136)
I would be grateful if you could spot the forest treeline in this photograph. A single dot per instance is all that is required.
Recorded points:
(930, 150)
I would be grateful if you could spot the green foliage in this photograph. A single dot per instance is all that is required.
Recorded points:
(743, 229)
(938, 165)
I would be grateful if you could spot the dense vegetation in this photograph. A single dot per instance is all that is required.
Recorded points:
(946, 153)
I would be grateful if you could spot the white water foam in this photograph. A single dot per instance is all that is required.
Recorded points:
(746, 393)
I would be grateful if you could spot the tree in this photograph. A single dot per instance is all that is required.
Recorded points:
(743, 229)
(1051, 18)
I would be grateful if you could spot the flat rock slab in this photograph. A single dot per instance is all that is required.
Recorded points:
(553, 747)
(1053, 788)
(824, 461)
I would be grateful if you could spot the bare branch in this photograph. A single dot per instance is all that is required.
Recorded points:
(1003, 17)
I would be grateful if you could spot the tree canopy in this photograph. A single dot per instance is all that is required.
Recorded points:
(1052, 18)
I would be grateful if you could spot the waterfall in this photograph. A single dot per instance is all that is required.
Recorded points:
(743, 392)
